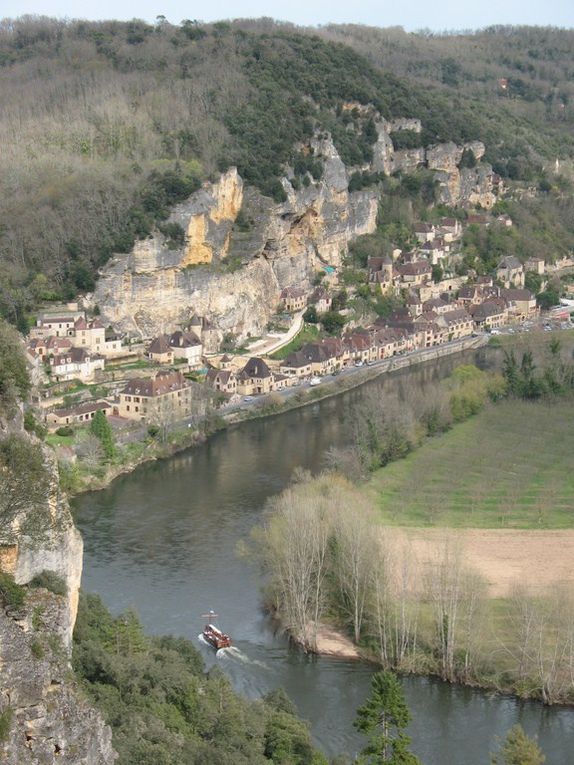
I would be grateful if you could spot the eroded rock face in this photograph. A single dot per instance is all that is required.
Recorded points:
(153, 288)
(51, 723)
(233, 274)
(57, 547)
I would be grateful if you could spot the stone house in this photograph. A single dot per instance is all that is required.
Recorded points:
(491, 314)
(458, 322)
(56, 326)
(425, 232)
(296, 365)
(255, 378)
(294, 298)
(538, 265)
(414, 274)
(222, 380)
(321, 300)
(510, 272)
(186, 345)
(521, 303)
(166, 397)
(76, 363)
(77, 415)
(160, 351)
(205, 332)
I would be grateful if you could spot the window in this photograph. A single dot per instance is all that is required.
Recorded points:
(128, 408)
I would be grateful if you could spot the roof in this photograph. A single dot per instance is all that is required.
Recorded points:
(223, 375)
(86, 408)
(486, 309)
(256, 368)
(295, 359)
(161, 383)
(432, 303)
(517, 294)
(456, 315)
(416, 268)
(320, 293)
(424, 228)
(160, 345)
(181, 339)
(510, 262)
(292, 292)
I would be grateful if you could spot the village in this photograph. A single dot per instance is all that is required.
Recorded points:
(80, 367)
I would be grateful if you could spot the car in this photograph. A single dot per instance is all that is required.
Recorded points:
(358, 363)
(247, 399)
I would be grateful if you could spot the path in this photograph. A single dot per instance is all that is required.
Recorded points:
(272, 342)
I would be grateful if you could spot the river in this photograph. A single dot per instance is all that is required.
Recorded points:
(164, 540)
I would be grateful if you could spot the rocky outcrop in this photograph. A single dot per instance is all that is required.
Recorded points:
(232, 271)
(457, 186)
(57, 547)
(154, 288)
(49, 722)
(44, 718)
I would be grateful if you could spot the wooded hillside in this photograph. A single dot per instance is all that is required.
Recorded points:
(104, 125)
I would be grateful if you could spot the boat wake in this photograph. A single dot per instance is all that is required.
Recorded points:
(235, 653)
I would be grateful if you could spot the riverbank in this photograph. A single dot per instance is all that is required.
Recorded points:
(181, 439)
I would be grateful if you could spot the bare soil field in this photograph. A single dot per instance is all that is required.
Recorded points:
(504, 557)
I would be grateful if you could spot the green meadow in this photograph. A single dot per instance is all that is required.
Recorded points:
(511, 466)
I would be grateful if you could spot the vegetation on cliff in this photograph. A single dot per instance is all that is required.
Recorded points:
(162, 707)
(107, 124)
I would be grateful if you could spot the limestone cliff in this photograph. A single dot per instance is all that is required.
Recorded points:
(46, 719)
(57, 547)
(154, 288)
(232, 271)
(50, 722)
(457, 186)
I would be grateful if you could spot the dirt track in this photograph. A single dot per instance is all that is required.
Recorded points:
(537, 559)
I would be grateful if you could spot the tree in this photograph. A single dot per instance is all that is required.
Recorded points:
(332, 322)
(384, 717)
(519, 749)
(14, 380)
(25, 486)
(101, 428)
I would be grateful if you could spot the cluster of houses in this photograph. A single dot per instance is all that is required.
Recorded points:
(70, 346)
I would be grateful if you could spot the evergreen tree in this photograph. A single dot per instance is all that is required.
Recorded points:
(510, 372)
(384, 717)
(102, 429)
(519, 749)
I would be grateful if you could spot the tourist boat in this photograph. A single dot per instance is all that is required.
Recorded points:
(213, 635)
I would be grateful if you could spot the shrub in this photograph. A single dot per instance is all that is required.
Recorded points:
(37, 649)
(11, 594)
(51, 581)
(65, 430)
(5, 723)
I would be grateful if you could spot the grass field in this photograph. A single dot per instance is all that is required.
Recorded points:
(309, 334)
(509, 467)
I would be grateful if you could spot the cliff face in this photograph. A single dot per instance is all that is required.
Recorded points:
(51, 723)
(58, 547)
(232, 270)
(154, 288)
(48, 719)
(457, 186)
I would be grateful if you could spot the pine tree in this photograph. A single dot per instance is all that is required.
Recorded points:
(102, 429)
(519, 749)
(384, 717)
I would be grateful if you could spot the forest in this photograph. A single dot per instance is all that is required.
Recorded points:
(104, 125)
